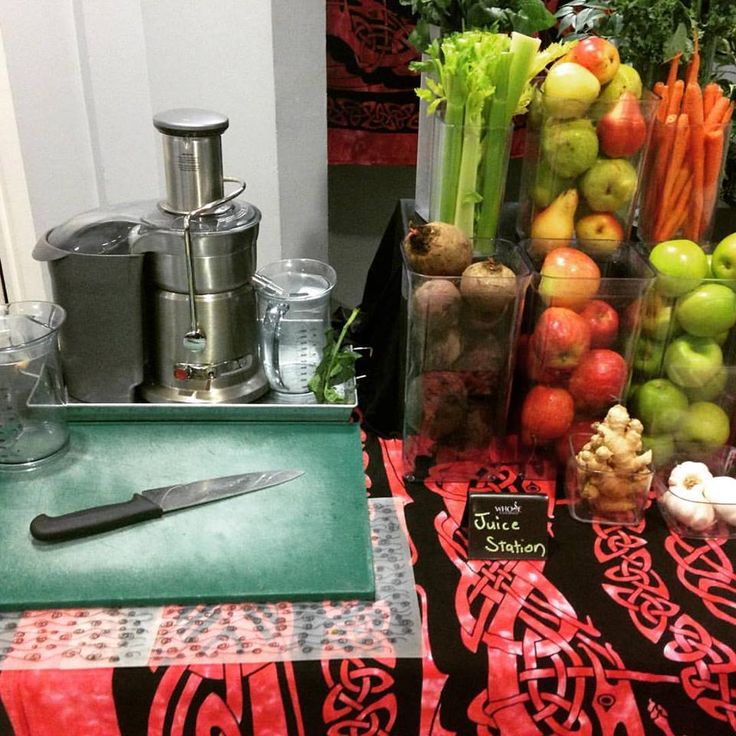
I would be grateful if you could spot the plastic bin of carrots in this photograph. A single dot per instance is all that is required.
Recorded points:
(685, 161)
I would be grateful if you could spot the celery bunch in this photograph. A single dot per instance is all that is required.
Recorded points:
(478, 80)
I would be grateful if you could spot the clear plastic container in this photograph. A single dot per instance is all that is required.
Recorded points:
(578, 344)
(604, 496)
(685, 364)
(692, 515)
(581, 175)
(293, 317)
(32, 395)
(459, 365)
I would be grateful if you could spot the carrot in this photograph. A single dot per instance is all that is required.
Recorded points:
(672, 75)
(679, 149)
(693, 68)
(718, 112)
(714, 141)
(676, 93)
(711, 92)
(677, 214)
(656, 165)
(660, 89)
(693, 107)
(727, 115)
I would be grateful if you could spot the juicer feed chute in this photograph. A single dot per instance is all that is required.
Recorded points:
(170, 280)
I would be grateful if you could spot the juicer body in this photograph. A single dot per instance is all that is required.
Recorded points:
(159, 296)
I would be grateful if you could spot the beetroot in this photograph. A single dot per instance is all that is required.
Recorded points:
(435, 306)
(488, 286)
(444, 404)
(437, 249)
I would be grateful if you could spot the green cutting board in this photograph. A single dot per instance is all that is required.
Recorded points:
(308, 539)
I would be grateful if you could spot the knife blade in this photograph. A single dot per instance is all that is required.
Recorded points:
(153, 503)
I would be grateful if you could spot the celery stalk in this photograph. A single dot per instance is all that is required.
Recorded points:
(480, 80)
(494, 159)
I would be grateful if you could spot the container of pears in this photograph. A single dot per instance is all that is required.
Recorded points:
(588, 130)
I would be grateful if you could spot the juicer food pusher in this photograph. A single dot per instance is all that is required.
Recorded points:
(159, 296)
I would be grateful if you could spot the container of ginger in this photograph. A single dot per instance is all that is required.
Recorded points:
(608, 480)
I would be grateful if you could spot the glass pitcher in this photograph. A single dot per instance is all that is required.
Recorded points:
(32, 395)
(293, 315)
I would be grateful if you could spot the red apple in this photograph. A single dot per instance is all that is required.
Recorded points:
(546, 414)
(622, 131)
(561, 337)
(603, 321)
(538, 372)
(598, 56)
(599, 234)
(599, 380)
(570, 278)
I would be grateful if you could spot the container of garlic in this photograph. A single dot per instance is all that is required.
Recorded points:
(697, 496)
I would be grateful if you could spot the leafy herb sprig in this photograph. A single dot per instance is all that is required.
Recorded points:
(337, 365)
(451, 16)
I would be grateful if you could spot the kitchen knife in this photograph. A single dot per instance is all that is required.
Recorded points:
(153, 503)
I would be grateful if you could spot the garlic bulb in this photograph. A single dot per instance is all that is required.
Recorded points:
(688, 475)
(685, 500)
(721, 492)
(689, 507)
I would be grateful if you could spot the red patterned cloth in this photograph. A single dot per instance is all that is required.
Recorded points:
(372, 109)
(621, 630)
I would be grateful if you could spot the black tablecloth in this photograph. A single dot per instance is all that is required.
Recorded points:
(622, 630)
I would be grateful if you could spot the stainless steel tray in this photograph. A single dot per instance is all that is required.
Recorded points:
(272, 407)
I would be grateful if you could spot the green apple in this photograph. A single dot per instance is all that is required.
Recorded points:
(707, 310)
(710, 390)
(691, 361)
(569, 90)
(569, 147)
(680, 264)
(648, 357)
(609, 184)
(656, 319)
(704, 426)
(659, 405)
(662, 447)
(723, 259)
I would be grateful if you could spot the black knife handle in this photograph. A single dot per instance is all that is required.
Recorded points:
(94, 520)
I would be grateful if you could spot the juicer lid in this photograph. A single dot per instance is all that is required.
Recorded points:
(102, 231)
(190, 122)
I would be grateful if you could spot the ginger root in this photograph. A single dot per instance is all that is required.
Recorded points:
(613, 472)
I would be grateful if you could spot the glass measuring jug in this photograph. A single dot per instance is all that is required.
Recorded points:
(293, 315)
(32, 396)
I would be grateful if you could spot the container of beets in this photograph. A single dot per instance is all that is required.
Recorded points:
(463, 323)
(578, 339)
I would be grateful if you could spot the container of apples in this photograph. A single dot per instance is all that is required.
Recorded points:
(684, 387)
(588, 128)
(578, 340)
(464, 315)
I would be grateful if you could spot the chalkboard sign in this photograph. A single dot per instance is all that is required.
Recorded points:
(507, 526)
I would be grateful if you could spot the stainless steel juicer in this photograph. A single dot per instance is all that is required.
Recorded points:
(159, 297)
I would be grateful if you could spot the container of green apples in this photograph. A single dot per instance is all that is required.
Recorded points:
(684, 383)
(588, 129)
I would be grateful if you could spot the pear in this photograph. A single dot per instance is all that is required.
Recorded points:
(570, 147)
(547, 185)
(609, 184)
(554, 226)
(626, 79)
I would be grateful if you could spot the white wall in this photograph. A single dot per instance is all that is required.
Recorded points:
(86, 76)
